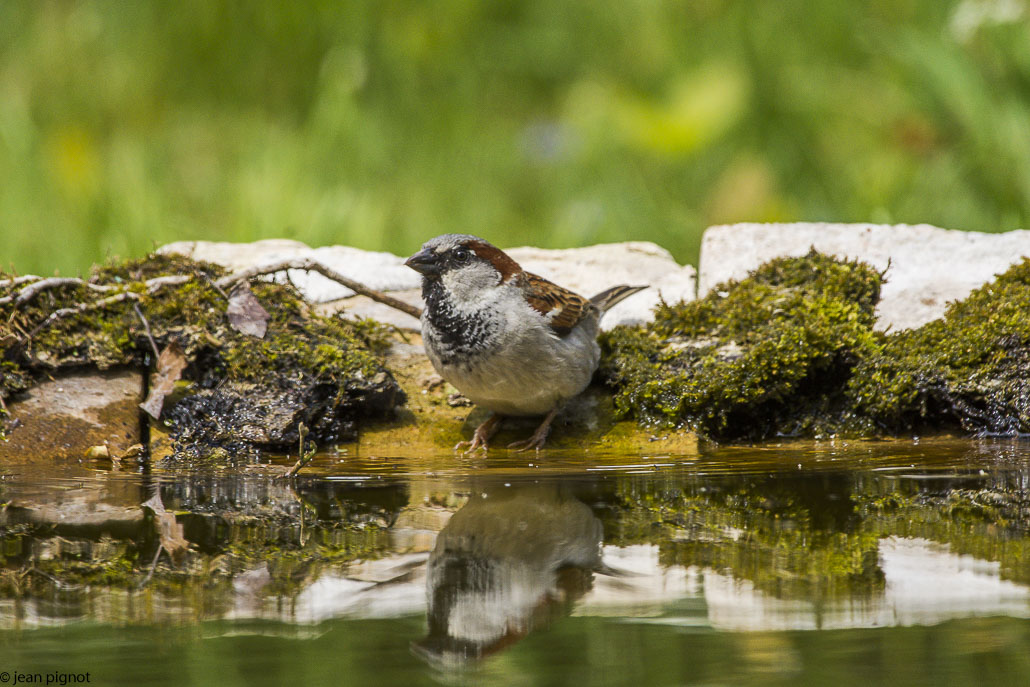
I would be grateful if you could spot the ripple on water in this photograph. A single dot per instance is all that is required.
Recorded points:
(448, 561)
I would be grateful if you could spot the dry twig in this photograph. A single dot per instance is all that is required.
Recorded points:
(4, 283)
(146, 326)
(155, 284)
(83, 307)
(305, 458)
(215, 286)
(315, 266)
(32, 290)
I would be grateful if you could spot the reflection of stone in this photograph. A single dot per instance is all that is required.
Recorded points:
(925, 584)
(80, 512)
(509, 561)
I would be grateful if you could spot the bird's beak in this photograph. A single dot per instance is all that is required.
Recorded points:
(425, 262)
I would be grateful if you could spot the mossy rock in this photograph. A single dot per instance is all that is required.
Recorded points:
(970, 369)
(769, 355)
(246, 394)
(791, 351)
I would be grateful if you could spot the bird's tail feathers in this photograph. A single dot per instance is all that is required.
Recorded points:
(609, 297)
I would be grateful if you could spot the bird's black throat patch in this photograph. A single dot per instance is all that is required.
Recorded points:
(459, 335)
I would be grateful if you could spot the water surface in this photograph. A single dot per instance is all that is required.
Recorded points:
(813, 563)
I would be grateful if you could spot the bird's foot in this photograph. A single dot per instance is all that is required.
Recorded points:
(535, 442)
(539, 438)
(471, 446)
(481, 436)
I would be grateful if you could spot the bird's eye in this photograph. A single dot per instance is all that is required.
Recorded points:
(461, 255)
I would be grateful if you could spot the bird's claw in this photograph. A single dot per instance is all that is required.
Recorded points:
(535, 442)
(477, 442)
(481, 436)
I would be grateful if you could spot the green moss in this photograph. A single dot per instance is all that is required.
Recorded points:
(13, 380)
(968, 369)
(791, 351)
(252, 393)
(767, 355)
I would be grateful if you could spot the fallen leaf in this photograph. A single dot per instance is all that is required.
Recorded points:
(170, 365)
(245, 313)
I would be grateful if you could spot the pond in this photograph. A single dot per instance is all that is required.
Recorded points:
(903, 562)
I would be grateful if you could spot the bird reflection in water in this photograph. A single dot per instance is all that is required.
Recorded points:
(510, 561)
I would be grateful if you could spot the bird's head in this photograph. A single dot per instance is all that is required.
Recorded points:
(463, 262)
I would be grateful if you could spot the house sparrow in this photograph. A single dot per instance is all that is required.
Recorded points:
(512, 342)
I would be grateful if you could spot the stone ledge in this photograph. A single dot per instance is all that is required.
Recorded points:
(929, 266)
(587, 271)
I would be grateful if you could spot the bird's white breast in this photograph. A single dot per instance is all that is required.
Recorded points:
(523, 368)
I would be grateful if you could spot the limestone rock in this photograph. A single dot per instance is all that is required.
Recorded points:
(584, 270)
(928, 266)
(238, 256)
(379, 271)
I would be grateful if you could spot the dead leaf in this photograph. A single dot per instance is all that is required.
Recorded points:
(245, 313)
(169, 531)
(170, 365)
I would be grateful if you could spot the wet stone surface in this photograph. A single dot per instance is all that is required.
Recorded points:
(66, 416)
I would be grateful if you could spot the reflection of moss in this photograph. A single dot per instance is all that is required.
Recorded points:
(989, 524)
(817, 537)
(295, 536)
(322, 371)
(790, 540)
(791, 350)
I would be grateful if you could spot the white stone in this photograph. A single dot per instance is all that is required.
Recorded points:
(929, 267)
(379, 271)
(586, 271)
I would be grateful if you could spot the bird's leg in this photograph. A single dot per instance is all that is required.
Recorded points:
(539, 437)
(482, 434)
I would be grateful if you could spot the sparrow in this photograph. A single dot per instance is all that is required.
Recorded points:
(509, 340)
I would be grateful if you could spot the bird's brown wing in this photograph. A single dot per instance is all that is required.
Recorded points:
(564, 308)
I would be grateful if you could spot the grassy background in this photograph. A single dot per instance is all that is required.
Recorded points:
(382, 123)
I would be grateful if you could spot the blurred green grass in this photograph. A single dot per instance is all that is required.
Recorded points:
(124, 125)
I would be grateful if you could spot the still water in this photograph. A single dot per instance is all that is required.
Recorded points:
(802, 564)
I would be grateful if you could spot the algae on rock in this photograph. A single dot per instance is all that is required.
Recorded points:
(766, 356)
(969, 369)
(248, 394)
(791, 351)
